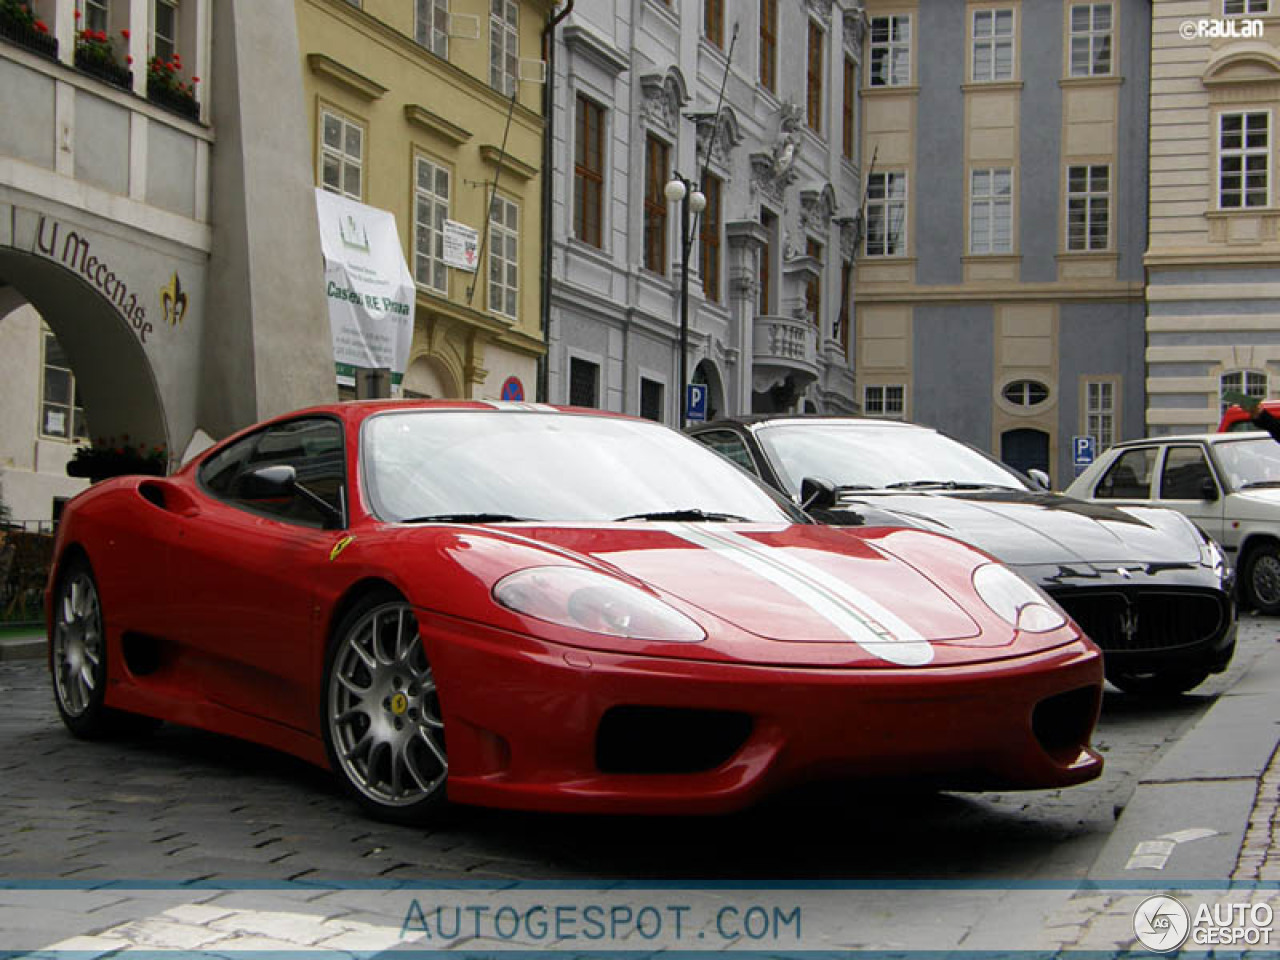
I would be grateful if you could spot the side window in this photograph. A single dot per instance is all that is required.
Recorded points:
(312, 447)
(1129, 477)
(1185, 471)
(729, 444)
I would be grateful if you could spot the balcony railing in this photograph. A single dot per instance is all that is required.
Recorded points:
(16, 31)
(105, 70)
(180, 103)
(784, 348)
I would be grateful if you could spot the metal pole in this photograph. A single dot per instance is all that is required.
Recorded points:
(685, 244)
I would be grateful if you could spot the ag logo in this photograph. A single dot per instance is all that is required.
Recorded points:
(1161, 924)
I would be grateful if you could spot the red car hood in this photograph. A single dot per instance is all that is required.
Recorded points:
(801, 584)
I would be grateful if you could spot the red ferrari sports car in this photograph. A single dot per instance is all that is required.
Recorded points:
(523, 606)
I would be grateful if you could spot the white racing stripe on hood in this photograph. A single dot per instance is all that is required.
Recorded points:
(867, 623)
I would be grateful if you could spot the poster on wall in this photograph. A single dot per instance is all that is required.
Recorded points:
(368, 287)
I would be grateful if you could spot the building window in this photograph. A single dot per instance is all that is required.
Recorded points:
(1100, 412)
(61, 413)
(504, 244)
(992, 45)
(431, 26)
(588, 173)
(813, 290)
(890, 53)
(1089, 207)
(430, 210)
(1244, 157)
(887, 400)
(770, 224)
(1025, 393)
(584, 383)
(341, 155)
(1241, 8)
(1090, 39)
(95, 15)
(991, 211)
(709, 239)
(813, 87)
(504, 46)
(1252, 383)
(164, 30)
(847, 107)
(657, 173)
(713, 21)
(886, 215)
(651, 399)
(769, 44)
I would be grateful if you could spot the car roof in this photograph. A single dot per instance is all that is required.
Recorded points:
(755, 420)
(1192, 438)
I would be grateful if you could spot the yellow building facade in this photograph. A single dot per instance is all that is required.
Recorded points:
(411, 111)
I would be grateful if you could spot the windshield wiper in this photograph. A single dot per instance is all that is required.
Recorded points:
(1259, 483)
(692, 513)
(468, 518)
(943, 485)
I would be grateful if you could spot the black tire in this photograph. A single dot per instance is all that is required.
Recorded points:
(381, 719)
(1260, 577)
(1158, 683)
(78, 660)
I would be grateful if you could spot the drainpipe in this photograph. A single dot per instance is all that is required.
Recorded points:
(548, 197)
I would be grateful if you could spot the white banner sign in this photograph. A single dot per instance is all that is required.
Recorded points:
(461, 246)
(368, 286)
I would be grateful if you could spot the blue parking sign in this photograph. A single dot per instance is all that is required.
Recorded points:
(696, 401)
(1084, 450)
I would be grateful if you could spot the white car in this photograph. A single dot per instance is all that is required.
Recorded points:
(1227, 483)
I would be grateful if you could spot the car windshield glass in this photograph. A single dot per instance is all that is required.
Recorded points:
(1252, 461)
(877, 457)
(549, 466)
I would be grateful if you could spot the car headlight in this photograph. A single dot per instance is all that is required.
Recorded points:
(586, 600)
(1015, 600)
(1211, 556)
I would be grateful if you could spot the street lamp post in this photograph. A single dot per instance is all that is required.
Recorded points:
(683, 191)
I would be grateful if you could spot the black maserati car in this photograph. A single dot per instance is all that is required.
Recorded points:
(1151, 589)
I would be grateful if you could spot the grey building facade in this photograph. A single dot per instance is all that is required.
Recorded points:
(770, 258)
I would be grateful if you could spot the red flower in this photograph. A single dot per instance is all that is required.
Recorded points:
(41, 27)
(195, 79)
(129, 60)
(125, 34)
(77, 14)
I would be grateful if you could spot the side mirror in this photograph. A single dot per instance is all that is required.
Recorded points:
(817, 493)
(1208, 489)
(268, 483)
(1040, 478)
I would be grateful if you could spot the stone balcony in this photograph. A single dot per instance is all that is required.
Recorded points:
(784, 352)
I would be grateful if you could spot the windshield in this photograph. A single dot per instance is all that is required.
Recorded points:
(1249, 462)
(874, 457)
(489, 466)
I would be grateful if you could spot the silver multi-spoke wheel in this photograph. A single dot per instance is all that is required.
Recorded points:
(79, 671)
(383, 711)
(1264, 579)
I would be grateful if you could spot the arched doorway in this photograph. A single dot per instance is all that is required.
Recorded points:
(113, 373)
(427, 377)
(707, 373)
(1025, 449)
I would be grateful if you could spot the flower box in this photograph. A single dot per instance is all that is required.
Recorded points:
(19, 25)
(106, 459)
(104, 69)
(183, 104)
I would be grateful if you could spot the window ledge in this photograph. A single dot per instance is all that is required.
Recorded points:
(902, 88)
(508, 164)
(1101, 80)
(419, 116)
(1221, 214)
(991, 257)
(997, 85)
(1099, 255)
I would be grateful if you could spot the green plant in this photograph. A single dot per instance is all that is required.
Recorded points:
(166, 76)
(19, 12)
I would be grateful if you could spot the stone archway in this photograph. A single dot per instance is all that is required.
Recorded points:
(428, 376)
(113, 372)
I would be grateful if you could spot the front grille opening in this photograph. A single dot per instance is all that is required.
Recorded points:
(1062, 723)
(1147, 619)
(638, 739)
